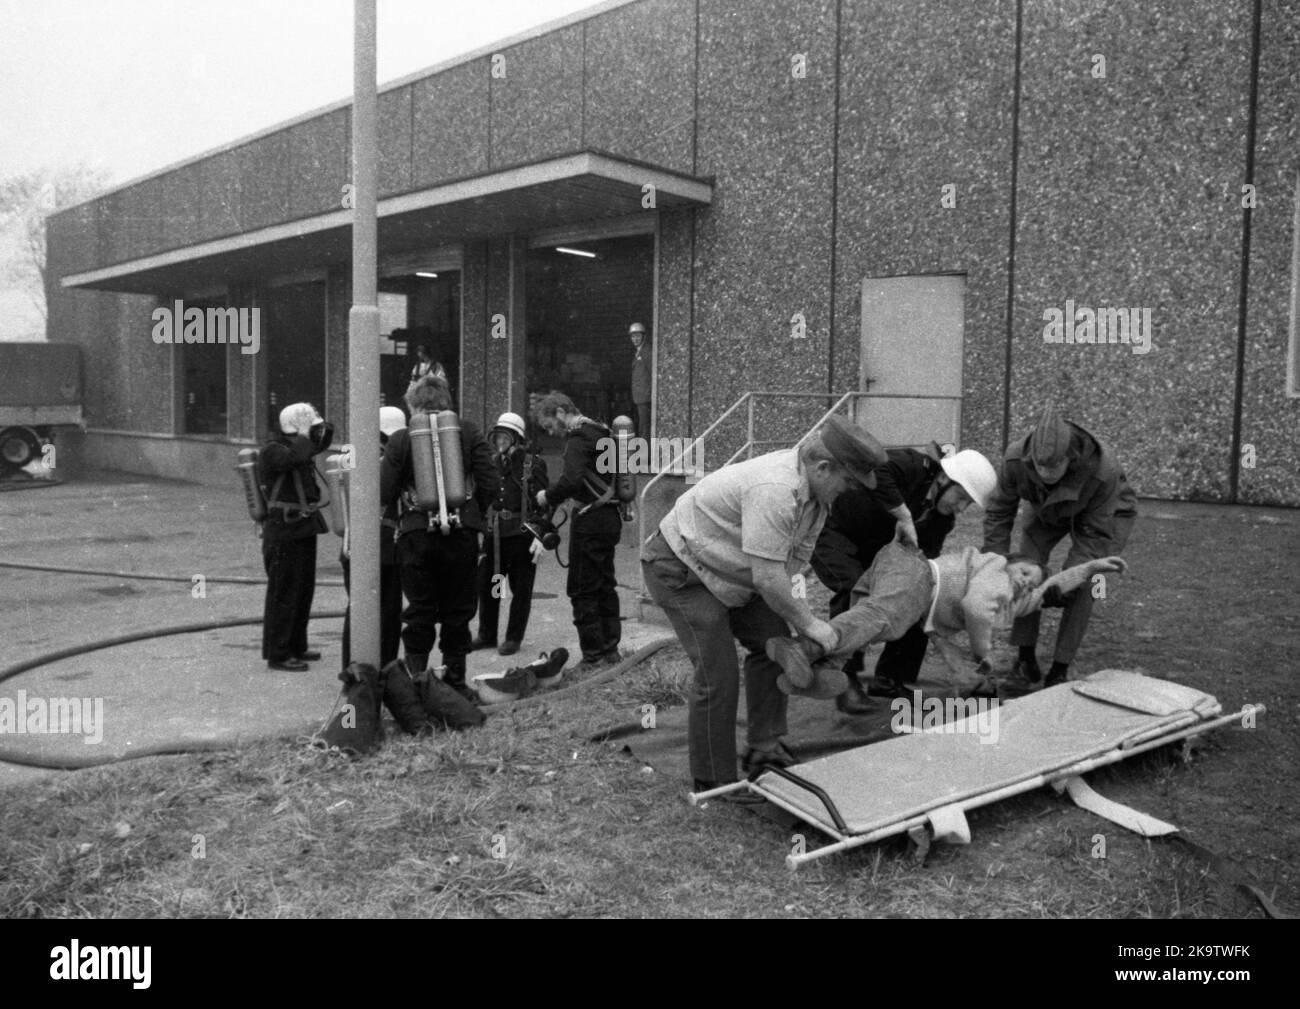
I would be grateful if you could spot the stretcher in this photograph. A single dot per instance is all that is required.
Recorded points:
(923, 780)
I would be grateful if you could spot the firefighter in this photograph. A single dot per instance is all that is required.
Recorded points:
(917, 497)
(510, 552)
(438, 567)
(596, 526)
(293, 521)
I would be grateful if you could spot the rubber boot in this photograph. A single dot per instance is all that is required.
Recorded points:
(402, 700)
(454, 677)
(444, 705)
(357, 727)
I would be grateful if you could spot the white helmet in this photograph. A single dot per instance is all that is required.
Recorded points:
(298, 418)
(974, 473)
(391, 419)
(511, 422)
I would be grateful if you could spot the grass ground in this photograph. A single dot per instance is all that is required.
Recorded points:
(526, 818)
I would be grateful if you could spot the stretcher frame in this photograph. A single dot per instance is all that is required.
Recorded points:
(1187, 726)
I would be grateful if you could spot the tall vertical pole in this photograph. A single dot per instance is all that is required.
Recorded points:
(363, 344)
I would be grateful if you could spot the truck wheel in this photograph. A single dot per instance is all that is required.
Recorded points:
(18, 447)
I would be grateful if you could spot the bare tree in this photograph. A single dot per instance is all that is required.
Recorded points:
(25, 202)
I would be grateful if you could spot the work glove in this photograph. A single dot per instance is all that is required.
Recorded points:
(537, 550)
(541, 499)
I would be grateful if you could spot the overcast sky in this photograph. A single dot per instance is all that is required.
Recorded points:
(131, 86)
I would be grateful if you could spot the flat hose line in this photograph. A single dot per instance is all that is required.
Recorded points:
(15, 485)
(211, 745)
(187, 579)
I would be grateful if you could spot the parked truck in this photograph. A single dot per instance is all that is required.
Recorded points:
(40, 390)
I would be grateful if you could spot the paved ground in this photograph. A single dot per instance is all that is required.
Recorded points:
(208, 685)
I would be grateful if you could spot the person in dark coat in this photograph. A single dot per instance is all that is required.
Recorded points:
(510, 552)
(917, 498)
(437, 570)
(641, 381)
(1075, 487)
(293, 522)
(595, 528)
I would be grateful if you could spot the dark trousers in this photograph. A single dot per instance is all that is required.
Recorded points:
(290, 585)
(642, 419)
(708, 631)
(390, 612)
(1037, 541)
(592, 583)
(519, 571)
(901, 659)
(437, 574)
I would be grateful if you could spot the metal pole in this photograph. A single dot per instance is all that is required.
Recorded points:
(363, 343)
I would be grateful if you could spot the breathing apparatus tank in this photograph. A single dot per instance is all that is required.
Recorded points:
(246, 467)
(624, 486)
(453, 462)
(438, 464)
(336, 477)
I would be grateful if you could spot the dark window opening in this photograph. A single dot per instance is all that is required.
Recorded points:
(202, 367)
(579, 308)
(431, 319)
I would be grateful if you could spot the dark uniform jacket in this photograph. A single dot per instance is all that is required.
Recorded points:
(641, 375)
(281, 458)
(860, 524)
(1085, 501)
(397, 474)
(581, 451)
(510, 500)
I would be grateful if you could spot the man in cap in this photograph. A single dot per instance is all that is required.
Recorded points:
(510, 552)
(917, 497)
(722, 567)
(391, 420)
(1075, 486)
(640, 379)
(289, 533)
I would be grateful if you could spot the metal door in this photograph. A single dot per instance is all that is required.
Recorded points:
(912, 338)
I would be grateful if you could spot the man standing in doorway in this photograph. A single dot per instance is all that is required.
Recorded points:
(640, 379)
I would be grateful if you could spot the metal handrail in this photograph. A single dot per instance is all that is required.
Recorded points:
(747, 448)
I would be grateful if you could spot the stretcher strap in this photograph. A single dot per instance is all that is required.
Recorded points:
(1149, 826)
(1126, 816)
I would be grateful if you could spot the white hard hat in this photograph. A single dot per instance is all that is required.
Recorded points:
(391, 419)
(298, 418)
(511, 422)
(974, 473)
(636, 327)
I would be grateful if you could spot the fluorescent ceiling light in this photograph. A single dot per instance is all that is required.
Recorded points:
(575, 252)
(419, 274)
